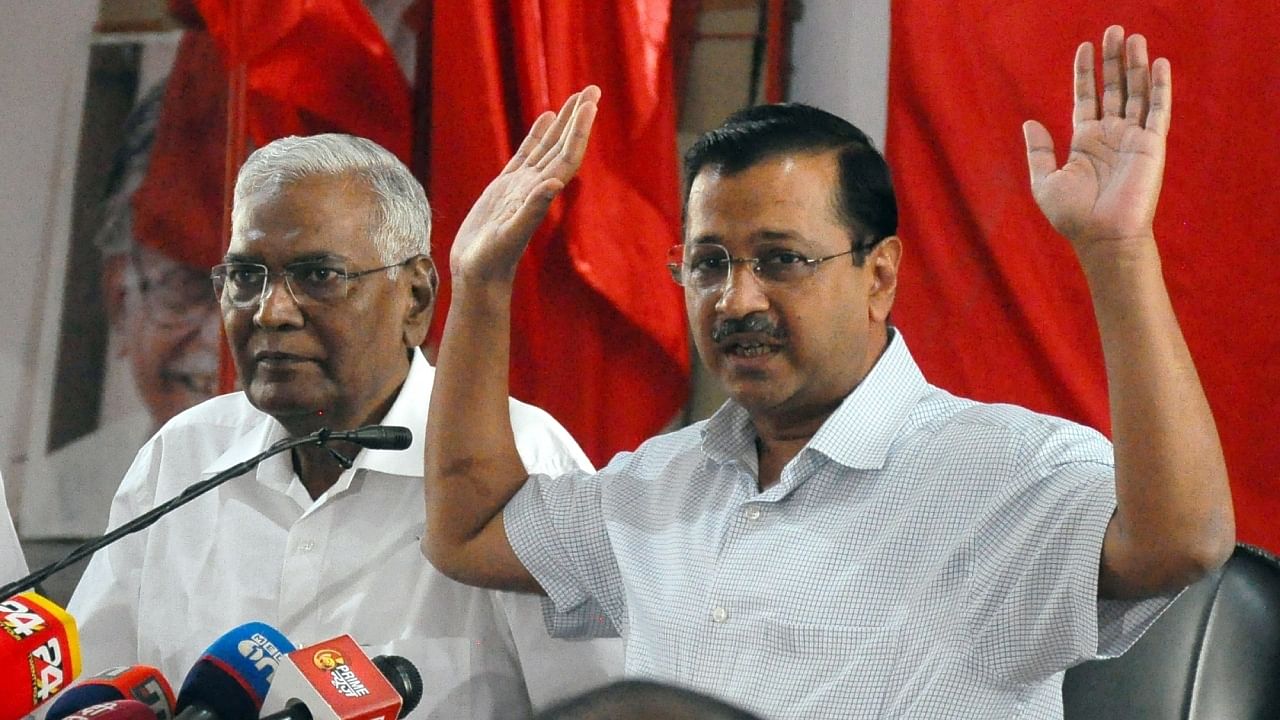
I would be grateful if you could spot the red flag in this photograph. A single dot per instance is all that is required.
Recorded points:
(992, 300)
(598, 335)
(313, 67)
(178, 207)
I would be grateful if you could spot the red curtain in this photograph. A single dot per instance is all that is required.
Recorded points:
(992, 300)
(598, 335)
(312, 67)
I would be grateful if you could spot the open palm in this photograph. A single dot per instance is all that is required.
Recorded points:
(1108, 188)
(495, 232)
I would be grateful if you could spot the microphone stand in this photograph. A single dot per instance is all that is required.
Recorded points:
(319, 438)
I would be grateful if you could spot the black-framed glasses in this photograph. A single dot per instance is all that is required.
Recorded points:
(310, 282)
(706, 266)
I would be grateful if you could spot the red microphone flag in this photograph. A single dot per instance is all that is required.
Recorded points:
(39, 653)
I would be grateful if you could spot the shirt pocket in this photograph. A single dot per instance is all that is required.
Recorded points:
(818, 671)
(449, 686)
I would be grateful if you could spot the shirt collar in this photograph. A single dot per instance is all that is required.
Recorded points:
(409, 410)
(857, 435)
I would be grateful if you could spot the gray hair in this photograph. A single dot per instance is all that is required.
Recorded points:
(401, 222)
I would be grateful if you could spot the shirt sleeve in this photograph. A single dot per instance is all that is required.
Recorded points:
(554, 460)
(1039, 548)
(106, 599)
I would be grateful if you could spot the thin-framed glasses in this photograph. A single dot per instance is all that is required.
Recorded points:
(310, 282)
(706, 266)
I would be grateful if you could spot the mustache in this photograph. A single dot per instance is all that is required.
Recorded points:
(753, 323)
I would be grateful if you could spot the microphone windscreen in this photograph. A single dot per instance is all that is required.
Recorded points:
(134, 682)
(39, 653)
(75, 699)
(114, 710)
(404, 677)
(231, 678)
(381, 437)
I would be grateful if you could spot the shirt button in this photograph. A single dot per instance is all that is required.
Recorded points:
(307, 546)
(752, 513)
(719, 615)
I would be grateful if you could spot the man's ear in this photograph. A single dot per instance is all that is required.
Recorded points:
(883, 262)
(423, 284)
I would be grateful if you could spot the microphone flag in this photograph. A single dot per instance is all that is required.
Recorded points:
(334, 680)
(132, 682)
(39, 652)
(114, 710)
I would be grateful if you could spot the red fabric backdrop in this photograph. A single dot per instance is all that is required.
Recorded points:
(992, 301)
(598, 335)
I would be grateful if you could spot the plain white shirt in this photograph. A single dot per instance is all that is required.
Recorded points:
(13, 564)
(259, 548)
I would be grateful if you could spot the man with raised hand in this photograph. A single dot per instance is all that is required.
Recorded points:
(842, 539)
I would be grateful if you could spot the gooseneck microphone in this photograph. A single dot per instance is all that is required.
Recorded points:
(374, 437)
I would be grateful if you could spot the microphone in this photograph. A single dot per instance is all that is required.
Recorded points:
(404, 677)
(335, 680)
(39, 653)
(376, 437)
(142, 683)
(230, 680)
(114, 710)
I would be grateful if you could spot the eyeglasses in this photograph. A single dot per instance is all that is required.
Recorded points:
(310, 282)
(705, 266)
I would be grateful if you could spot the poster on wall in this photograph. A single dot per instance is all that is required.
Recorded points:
(131, 338)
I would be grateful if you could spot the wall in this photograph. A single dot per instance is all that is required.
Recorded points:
(43, 53)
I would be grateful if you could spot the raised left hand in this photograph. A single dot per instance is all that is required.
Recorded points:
(1106, 192)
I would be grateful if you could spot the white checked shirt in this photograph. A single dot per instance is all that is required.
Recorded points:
(259, 548)
(924, 556)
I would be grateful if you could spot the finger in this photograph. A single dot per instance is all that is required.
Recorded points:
(1085, 90)
(1137, 79)
(566, 157)
(1113, 71)
(552, 136)
(531, 211)
(536, 133)
(1041, 160)
(580, 132)
(1158, 110)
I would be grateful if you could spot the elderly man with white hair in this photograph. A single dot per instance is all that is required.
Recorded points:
(326, 293)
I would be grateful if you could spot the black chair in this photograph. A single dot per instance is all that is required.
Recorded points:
(1214, 654)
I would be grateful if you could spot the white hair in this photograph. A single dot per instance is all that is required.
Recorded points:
(401, 224)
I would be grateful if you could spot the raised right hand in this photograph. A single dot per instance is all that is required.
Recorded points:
(496, 230)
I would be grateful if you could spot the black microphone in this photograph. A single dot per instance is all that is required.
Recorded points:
(404, 677)
(376, 437)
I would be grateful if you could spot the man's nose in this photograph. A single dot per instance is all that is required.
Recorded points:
(277, 306)
(742, 292)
